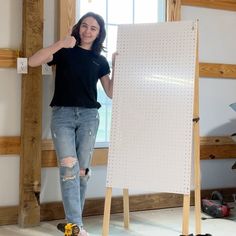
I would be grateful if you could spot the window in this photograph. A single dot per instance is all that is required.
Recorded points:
(116, 12)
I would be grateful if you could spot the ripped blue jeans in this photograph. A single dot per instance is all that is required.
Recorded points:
(74, 131)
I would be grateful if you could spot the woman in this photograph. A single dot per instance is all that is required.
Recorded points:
(75, 117)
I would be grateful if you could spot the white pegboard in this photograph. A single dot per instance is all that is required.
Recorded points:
(151, 131)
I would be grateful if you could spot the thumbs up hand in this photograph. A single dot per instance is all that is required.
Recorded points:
(69, 41)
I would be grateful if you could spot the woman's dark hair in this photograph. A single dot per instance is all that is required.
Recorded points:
(97, 46)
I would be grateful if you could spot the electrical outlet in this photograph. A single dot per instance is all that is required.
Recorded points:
(46, 69)
(22, 65)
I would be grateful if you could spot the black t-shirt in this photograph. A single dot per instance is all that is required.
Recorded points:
(77, 74)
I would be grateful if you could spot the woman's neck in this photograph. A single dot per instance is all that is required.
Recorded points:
(86, 46)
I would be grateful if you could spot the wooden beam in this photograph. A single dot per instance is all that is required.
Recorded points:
(229, 5)
(217, 140)
(67, 17)
(8, 58)
(9, 145)
(210, 152)
(31, 112)
(216, 147)
(214, 70)
(99, 157)
(8, 215)
(173, 10)
(211, 70)
(226, 148)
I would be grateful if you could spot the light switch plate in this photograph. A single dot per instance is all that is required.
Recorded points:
(22, 65)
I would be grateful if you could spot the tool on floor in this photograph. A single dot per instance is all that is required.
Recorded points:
(233, 166)
(69, 229)
(215, 207)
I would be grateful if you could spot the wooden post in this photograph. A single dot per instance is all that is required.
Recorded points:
(31, 112)
(66, 19)
(173, 8)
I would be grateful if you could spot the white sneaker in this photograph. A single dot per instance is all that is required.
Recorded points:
(83, 233)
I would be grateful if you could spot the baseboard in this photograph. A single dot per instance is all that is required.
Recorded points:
(95, 206)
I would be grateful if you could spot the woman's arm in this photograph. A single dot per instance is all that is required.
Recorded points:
(106, 81)
(107, 84)
(45, 55)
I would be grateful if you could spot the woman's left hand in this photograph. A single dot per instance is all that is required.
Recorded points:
(113, 60)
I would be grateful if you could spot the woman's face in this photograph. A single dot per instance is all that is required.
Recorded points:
(89, 30)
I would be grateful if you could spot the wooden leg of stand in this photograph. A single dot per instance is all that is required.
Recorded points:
(107, 212)
(126, 207)
(198, 212)
(197, 196)
(196, 140)
(186, 209)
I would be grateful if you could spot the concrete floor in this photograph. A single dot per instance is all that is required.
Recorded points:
(165, 222)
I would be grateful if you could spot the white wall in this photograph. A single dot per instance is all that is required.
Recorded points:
(216, 45)
(10, 97)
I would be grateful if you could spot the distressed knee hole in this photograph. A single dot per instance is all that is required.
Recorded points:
(68, 163)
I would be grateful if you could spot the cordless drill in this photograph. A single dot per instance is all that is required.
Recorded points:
(69, 229)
